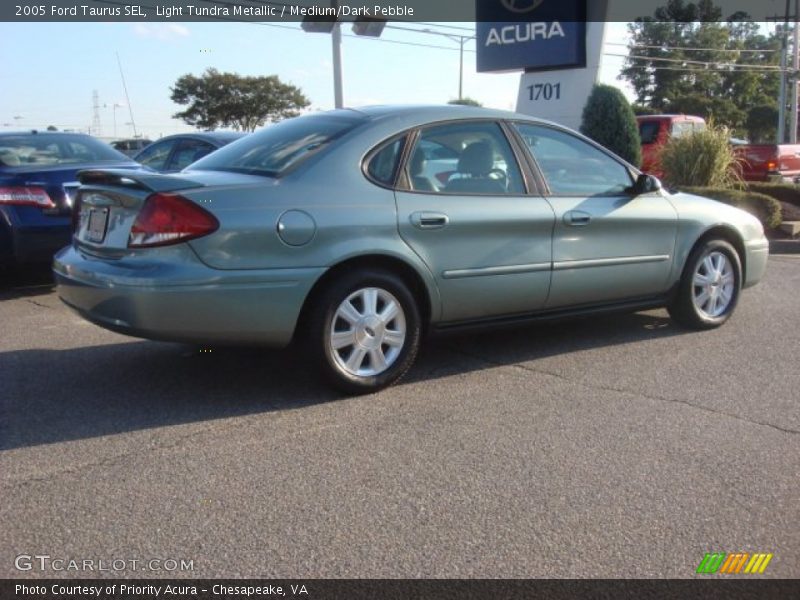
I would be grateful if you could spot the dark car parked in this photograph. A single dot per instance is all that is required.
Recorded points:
(37, 184)
(132, 146)
(176, 152)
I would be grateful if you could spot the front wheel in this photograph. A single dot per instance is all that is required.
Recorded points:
(709, 288)
(365, 331)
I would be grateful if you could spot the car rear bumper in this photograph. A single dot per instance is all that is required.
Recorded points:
(183, 300)
(756, 261)
(23, 244)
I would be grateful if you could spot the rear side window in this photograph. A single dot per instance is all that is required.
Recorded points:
(465, 158)
(382, 167)
(279, 147)
(648, 131)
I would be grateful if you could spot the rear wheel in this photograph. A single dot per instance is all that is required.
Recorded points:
(365, 331)
(710, 286)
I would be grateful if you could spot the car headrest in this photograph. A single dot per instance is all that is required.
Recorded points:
(477, 159)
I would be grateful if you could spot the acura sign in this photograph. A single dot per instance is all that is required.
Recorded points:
(557, 43)
(530, 34)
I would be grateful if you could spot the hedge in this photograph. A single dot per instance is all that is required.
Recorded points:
(780, 191)
(766, 208)
(609, 120)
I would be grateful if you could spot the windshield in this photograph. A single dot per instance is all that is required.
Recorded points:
(36, 149)
(279, 147)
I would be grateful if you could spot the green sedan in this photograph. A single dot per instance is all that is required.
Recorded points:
(356, 232)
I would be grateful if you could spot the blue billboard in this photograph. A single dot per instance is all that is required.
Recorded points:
(530, 34)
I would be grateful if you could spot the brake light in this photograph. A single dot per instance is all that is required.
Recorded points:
(25, 196)
(772, 165)
(170, 219)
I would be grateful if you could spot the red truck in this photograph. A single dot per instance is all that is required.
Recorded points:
(656, 130)
(776, 163)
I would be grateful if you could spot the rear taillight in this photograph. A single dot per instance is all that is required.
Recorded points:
(169, 219)
(772, 165)
(25, 196)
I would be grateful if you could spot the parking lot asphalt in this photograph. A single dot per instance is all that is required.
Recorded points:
(621, 446)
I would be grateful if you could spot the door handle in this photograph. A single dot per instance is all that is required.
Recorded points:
(429, 220)
(577, 218)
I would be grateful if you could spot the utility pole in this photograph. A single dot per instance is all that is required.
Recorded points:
(336, 37)
(782, 96)
(462, 40)
(96, 125)
(795, 67)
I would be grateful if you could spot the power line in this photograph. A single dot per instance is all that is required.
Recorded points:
(768, 68)
(689, 70)
(360, 37)
(443, 25)
(691, 49)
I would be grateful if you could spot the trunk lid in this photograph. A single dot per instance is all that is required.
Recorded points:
(60, 183)
(109, 201)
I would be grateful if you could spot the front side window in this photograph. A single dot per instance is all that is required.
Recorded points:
(465, 158)
(573, 167)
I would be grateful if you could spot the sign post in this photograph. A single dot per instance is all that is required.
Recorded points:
(559, 45)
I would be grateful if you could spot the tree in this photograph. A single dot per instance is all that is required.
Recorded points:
(685, 52)
(762, 124)
(609, 120)
(229, 100)
(641, 109)
(465, 102)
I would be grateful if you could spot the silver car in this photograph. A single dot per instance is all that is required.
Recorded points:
(355, 232)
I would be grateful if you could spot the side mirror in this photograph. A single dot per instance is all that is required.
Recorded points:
(645, 184)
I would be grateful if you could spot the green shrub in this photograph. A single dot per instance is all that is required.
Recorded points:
(609, 120)
(465, 102)
(782, 192)
(765, 208)
(704, 158)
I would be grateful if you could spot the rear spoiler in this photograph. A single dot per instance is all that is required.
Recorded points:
(137, 179)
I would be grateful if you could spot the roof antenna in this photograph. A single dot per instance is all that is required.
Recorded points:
(127, 98)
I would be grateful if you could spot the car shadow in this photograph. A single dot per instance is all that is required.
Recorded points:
(61, 395)
(784, 246)
(20, 282)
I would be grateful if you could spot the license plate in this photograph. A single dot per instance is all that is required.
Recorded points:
(98, 220)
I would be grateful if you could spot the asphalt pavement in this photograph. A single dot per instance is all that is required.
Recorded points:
(621, 446)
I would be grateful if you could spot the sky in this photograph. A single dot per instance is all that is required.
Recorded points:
(49, 71)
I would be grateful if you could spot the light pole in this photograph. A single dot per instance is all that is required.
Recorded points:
(361, 26)
(114, 108)
(461, 40)
(336, 37)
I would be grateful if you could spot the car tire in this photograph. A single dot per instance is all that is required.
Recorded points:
(364, 331)
(709, 287)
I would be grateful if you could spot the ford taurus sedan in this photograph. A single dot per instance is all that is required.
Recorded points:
(353, 232)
